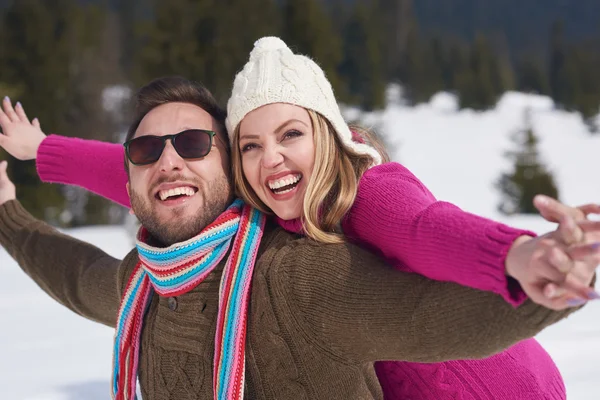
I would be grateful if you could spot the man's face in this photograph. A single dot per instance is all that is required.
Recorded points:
(197, 190)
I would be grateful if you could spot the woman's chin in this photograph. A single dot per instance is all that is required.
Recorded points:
(286, 214)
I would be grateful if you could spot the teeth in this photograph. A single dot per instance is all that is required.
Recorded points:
(184, 190)
(285, 191)
(284, 181)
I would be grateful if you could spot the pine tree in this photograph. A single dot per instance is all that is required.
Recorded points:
(398, 21)
(308, 29)
(457, 61)
(50, 56)
(35, 40)
(586, 60)
(175, 40)
(95, 65)
(127, 22)
(231, 47)
(502, 69)
(531, 76)
(478, 84)
(362, 68)
(424, 63)
(199, 39)
(564, 81)
(529, 176)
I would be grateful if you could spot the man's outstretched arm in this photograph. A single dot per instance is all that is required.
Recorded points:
(78, 275)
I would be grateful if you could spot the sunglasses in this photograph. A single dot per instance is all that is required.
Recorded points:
(191, 143)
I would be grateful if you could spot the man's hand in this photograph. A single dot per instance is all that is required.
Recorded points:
(19, 137)
(7, 188)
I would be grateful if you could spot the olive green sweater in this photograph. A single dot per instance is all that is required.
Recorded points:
(319, 315)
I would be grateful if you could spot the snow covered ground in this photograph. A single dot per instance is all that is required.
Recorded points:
(48, 353)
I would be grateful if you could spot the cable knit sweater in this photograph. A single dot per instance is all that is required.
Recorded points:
(319, 315)
(415, 233)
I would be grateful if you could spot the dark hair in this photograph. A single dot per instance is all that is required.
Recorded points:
(175, 89)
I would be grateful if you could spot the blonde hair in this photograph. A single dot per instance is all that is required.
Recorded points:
(333, 184)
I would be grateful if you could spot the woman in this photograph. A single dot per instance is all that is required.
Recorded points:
(294, 156)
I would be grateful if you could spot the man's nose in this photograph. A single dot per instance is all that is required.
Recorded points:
(169, 159)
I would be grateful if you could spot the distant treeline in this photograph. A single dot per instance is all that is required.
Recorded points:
(57, 57)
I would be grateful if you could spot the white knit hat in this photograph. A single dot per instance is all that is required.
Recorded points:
(276, 75)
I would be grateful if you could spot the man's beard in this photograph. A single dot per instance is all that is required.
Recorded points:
(218, 198)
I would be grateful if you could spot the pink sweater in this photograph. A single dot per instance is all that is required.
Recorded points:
(395, 216)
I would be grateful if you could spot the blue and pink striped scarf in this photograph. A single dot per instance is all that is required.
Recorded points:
(177, 269)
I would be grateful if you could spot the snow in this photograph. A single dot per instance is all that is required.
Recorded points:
(444, 103)
(49, 353)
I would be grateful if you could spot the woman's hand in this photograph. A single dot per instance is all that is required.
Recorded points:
(556, 269)
(19, 137)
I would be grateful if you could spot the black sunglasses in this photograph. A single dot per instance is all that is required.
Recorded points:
(191, 143)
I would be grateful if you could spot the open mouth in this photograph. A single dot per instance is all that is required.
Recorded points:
(176, 193)
(285, 184)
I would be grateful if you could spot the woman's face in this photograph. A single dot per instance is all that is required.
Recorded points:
(278, 154)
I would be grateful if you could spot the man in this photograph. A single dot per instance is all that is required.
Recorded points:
(317, 315)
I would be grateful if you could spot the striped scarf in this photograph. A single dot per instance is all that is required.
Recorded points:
(177, 269)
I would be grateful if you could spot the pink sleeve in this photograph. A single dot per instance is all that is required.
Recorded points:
(96, 166)
(396, 216)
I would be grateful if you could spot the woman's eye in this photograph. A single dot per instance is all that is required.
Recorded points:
(292, 134)
(248, 147)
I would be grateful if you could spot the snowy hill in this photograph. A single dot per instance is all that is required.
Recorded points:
(48, 353)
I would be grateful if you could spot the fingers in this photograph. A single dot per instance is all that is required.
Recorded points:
(36, 123)
(585, 252)
(553, 291)
(20, 111)
(558, 265)
(4, 121)
(588, 209)
(554, 211)
(9, 110)
(562, 303)
(578, 289)
(571, 269)
(568, 231)
(8, 114)
(569, 262)
(553, 297)
(573, 288)
(558, 298)
(589, 226)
